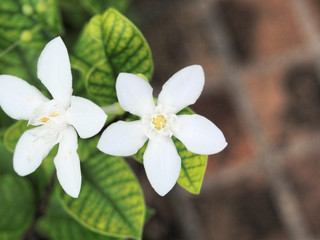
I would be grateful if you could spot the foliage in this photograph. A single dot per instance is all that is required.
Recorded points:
(25, 28)
(111, 204)
(59, 225)
(111, 200)
(108, 45)
(17, 212)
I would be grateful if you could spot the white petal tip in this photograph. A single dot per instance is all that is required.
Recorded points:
(161, 192)
(20, 172)
(97, 129)
(101, 147)
(196, 67)
(225, 145)
(198, 71)
(107, 150)
(215, 149)
(199, 134)
(56, 40)
(74, 194)
(72, 191)
(222, 147)
(21, 169)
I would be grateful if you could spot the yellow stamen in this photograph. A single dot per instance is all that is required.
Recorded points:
(53, 115)
(44, 120)
(159, 122)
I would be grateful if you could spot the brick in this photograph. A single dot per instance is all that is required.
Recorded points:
(314, 7)
(244, 210)
(260, 29)
(303, 174)
(287, 102)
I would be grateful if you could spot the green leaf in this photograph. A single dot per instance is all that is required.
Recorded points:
(111, 200)
(58, 225)
(30, 21)
(98, 6)
(25, 27)
(108, 45)
(150, 212)
(87, 148)
(10, 237)
(13, 134)
(5, 120)
(41, 176)
(16, 206)
(19, 61)
(193, 166)
(6, 165)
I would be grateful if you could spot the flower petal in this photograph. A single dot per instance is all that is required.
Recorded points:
(122, 138)
(162, 164)
(30, 151)
(87, 117)
(18, 98)
(68, 164)
(54, 71)
(199, 134)
(182, 89)
(134, 94)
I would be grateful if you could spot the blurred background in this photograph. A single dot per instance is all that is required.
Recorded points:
(262, 65)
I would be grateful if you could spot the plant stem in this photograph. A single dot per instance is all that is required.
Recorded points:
(40, 211)
(8, 49)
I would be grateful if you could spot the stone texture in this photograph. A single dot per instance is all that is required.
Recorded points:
(314, 7)
(303, 174)
(260, 29)
(218, 106)
(243, 211)
(287, 102)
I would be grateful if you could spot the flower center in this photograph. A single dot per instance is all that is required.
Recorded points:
(159, 122)
(52, 119)
(46, 119)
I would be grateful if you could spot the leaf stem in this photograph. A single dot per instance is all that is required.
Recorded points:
(40, 211)
(8, 49)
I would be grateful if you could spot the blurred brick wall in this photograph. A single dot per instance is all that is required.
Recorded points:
(262, 66)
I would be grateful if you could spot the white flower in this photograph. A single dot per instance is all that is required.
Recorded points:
(56, 118)
(158, 123)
